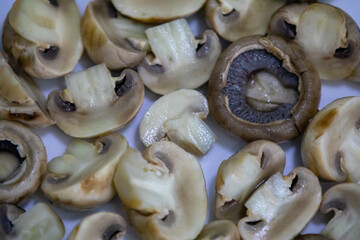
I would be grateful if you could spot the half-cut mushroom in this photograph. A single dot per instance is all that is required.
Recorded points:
(163, 190)
(44, 36)
(83, 177)
(178, 60)
(238, 176)
(282, 206)
(219, 230)
(95, 103)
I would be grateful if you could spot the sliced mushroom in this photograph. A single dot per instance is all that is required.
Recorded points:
(163, 190)
(112, 39)
(157, 10)
(264, 88)
(219, 230)
(23, 162)
(282, 206)
(40, 223)
(233, 19)
(180, 60)
(344, 201)
(94, 102)
(329, 37)
(44, 36)
(238, 176)
(102, 225)
(180, 123)
(82, 177)
(312, 237)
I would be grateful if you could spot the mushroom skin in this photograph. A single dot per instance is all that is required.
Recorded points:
(102, 225)
(282, 206)
(94, 102)
(312, 237)
(23, 162)
(329, 37)
(46, 42)
(238, 177)
(163, 191)
(178, 60)
(219, 230)
(228, 91)
(112, 39)
(82, 178)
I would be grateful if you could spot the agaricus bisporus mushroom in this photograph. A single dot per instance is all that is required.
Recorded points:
(178, 117)
(233, 19)
(22, 162)
(178, 60)
(219, 230)
(282, 206)
(40, 223)
(312, 237)
(102, 225)
(264, 88)
(82, 178)
(330, 145)
(112, 39)
(163, 191)
(94, 102)
(20, 98)
(329, 37)
(238, 176)
(44, 36)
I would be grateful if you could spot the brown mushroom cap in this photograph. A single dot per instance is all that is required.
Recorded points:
(219, 230)
(229, 83)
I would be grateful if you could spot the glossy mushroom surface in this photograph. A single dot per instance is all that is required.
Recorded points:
(219, 230)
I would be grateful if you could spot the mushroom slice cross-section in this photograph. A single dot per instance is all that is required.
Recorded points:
(178, 60)
(219, 230)
(282, 206)
(163, 190)
(44, 36)
(94, 102)
(83, 177)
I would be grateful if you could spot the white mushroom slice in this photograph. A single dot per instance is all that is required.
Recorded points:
(282, 206)
(95, 103)
(180, 61)
(238, 176)
(102, 225)
(112, 39)
(219, 230)
(163, 190)
(330, 146)
(44, 36)
(181, 123)
(82, 177)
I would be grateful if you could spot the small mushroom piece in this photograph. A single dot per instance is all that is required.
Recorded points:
(82, 178)
(282, 206)
(163, 190)
(264, 88)
(329, 37)
(312, 237)
(23, 162)
(94, 102)
(112, 39)
(238, 176)
(178, 60)
(44, 36)
(219, 230)
(102, 225)
(180, 123)
(40, 223)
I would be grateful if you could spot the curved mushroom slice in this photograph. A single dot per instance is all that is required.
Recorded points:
(102, 225)
(180, 60)
(112, 39)
(40, 223)
(82, 177)
(94, 102)
(44, 36)
(163, 190)
(219, 230)
(282, 206)
(234, 19)
(23, 162)
(238, 176)
(329, 37)
(312, 237)
(180, 123)
(157, 10)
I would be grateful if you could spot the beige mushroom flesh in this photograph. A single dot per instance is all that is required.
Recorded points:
(219, 230)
